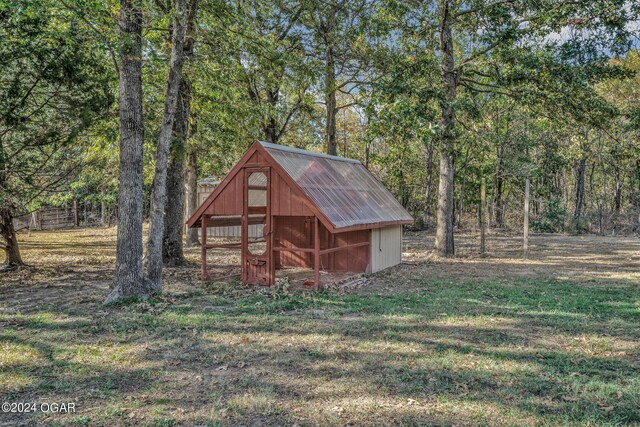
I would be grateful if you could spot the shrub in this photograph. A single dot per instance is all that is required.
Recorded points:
(553, 218)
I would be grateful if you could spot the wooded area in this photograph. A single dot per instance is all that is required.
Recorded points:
(483, 118)
(434, 98)
(431, 97)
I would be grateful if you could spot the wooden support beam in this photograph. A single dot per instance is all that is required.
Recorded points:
(283, 249)
(332, 257)
(316, 255)
(339, 248)
(203, 249)
(224, 246)
(323, 251)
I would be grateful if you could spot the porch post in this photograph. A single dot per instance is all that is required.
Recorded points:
(203, 247)
(332, 242)
(316, 255)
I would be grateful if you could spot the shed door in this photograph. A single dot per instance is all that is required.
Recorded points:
(257, 258)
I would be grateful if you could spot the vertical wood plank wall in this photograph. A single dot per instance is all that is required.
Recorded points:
(386, 247)
(255, 230)
(297, 232)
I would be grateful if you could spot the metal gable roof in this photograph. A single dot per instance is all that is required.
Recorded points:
(343, 189)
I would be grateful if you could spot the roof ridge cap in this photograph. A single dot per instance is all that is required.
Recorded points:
(286, 148)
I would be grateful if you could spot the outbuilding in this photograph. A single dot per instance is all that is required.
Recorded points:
(314, 210)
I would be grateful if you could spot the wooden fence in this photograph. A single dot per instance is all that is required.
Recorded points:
(53, 218)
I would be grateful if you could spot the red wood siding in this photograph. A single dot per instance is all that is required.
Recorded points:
(297, 232)
(293, 232)
(351, 259)
(287, 201)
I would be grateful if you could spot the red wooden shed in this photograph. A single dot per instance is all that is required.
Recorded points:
(317, 211)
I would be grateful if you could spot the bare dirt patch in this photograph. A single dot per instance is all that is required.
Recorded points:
(557, 256)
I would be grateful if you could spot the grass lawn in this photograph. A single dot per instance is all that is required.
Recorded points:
(412, 349)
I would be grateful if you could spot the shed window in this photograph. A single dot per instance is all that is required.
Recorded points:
(257, 189)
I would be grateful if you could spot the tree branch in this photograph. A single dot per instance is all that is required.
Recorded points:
(477, 9)
(478, 54)
(112, 53)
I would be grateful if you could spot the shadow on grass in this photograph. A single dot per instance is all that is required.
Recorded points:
(448, 353)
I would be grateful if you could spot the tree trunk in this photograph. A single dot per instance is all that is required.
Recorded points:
(103, 213)
(191, 189)
(8, 233)
(172, 248)
(579, 201)
(525, 243)
(499, 208)
(367, 153)
(482, 213)
(461, 192)
(444, 232)
(426, 213)
(271, 127)
(172, 251)
(76, 218)
(129, 279)
(603, 201)
(637, 195)
(158, 194)
(617, 198)
(600, 217)
(459, 206)
(330, 129)
(330, 84)
(592, 191)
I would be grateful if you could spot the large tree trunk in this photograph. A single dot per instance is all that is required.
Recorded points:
(10, 244)
(637, 195)
(617, 197)
(11, 248)
(129, 279)
(172, 249)
(579, 202)
(191, 189)
(158, 194)
(525, 243)
(172, 253)
(444, 232)
(271, 126)
(482, 215)
(428, 157)
(330, 84)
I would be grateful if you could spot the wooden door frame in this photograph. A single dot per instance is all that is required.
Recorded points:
(267, 231)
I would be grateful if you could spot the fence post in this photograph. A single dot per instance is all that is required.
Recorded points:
(525, 245)
(483, 215)
(76, 220)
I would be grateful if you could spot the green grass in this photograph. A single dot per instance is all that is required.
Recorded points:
(507, 352)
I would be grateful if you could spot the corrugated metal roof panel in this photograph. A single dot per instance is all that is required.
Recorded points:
(343, 189)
